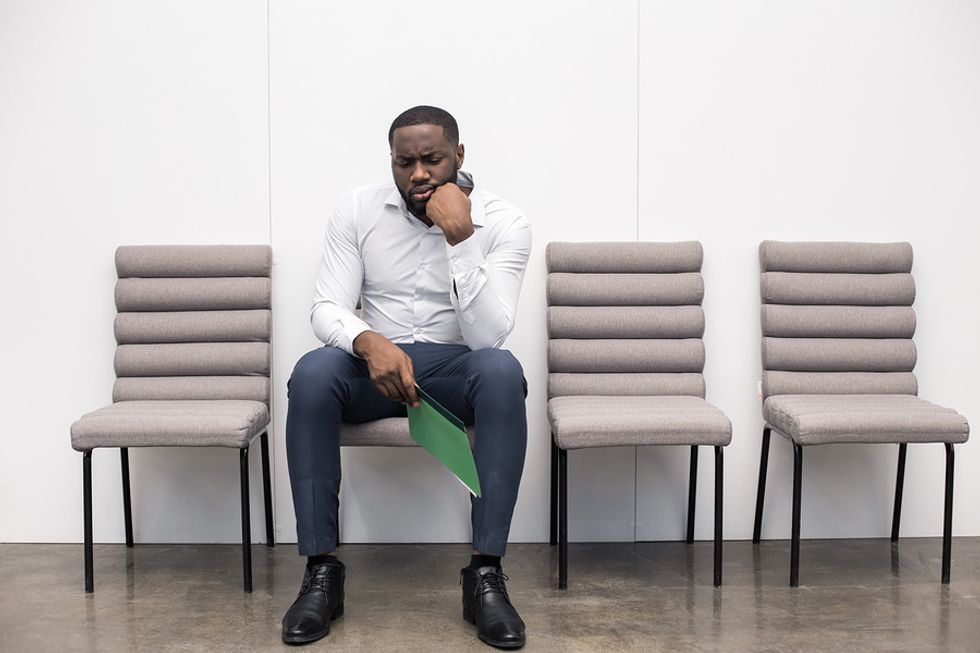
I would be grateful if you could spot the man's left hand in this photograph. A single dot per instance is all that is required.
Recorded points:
(449, 209)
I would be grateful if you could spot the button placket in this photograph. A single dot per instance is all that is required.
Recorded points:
(417, 296)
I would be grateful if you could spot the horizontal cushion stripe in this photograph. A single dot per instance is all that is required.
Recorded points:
(193, 326)
(636, 384)
(194, 261)
(581, 422)
(625, 322)
(839, 289)
(838, 354)
(624, 257)
(825, 419)
(217, 294)
(193, 359)
(837, 321)
(566, 289)
(171, 424)
(133, 388)
(838, 383)
(873, 258)
(681, 355)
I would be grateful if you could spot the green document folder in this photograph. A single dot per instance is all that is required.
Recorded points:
(443, 435)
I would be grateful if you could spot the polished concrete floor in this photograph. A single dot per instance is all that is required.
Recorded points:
(856, 595)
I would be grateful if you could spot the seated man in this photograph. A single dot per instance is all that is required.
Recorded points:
(437, 264)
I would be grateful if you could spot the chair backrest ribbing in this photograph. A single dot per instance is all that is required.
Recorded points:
(837, 318)
(193, 322)
(625, 319)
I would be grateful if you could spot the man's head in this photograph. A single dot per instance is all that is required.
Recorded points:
(425, 154)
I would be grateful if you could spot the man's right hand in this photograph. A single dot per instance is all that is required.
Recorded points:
(390, 367)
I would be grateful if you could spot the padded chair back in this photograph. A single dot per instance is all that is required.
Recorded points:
(193, 322)
(837, 318)
(625, 319)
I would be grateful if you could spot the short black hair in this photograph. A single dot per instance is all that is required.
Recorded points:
(426, 115)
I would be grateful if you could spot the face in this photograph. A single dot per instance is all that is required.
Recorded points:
(422, 159)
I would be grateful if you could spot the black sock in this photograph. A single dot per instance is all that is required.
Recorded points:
(479, 560)
(320, 559)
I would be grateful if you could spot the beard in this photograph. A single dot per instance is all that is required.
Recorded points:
(418, 209)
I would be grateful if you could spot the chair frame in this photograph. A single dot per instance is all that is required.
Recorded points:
(794, 567)
(559, 507)
(128, 508)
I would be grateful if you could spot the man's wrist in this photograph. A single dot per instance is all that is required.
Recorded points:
(365, 342)
(455, 237)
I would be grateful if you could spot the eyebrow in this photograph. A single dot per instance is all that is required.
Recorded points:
(424, 153)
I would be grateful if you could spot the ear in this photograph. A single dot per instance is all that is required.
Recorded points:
(460, 155)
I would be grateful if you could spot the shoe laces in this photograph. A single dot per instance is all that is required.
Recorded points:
(318, 578)
(492, 581)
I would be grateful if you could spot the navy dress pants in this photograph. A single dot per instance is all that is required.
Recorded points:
(328, 386)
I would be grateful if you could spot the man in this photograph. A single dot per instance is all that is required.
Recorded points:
(437, 264)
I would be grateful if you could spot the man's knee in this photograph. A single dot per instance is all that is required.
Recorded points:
(498, 366)
(318, 370)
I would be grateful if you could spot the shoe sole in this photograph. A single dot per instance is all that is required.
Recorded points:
(306, 639)
(469, 618)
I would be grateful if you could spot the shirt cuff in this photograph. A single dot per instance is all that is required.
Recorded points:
(351, 331)
(464, 256)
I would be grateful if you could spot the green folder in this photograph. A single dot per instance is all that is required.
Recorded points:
(443, 435)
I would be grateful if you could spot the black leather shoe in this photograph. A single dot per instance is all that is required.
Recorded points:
(320, 600)
(486, 604)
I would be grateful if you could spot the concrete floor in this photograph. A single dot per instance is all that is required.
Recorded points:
(856, 595)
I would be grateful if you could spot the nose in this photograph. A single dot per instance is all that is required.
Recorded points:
(419, 173)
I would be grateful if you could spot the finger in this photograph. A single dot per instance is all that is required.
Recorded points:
(394, 385)
(398, 393)
(383, 388)
(409, 384)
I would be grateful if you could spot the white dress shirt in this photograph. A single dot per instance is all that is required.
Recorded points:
(404, 272)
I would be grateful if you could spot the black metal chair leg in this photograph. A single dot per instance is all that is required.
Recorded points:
(553, 537)
(87, 517)
(562, 519)
(719, 494)
(899, 486)
(948, 515)
(246, 522)
(692, 490)
(794, 556)
(760, 496)
(270, 536)
(127, 500)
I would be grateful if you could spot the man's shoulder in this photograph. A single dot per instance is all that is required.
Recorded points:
(499, 210)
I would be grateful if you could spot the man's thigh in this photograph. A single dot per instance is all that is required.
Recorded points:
(329, 370)
(449, 379)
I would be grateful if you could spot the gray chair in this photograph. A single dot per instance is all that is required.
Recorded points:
(192, 366)
(837, 360)
(625, 363)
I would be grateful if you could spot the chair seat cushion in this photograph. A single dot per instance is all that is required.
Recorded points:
(205, 423)
(387, 432)
(579, 422)
(824, 419)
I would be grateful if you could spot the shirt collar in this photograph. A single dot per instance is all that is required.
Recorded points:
(478, 212)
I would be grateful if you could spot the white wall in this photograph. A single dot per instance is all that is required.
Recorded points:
(242, 122)
(120, 123)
